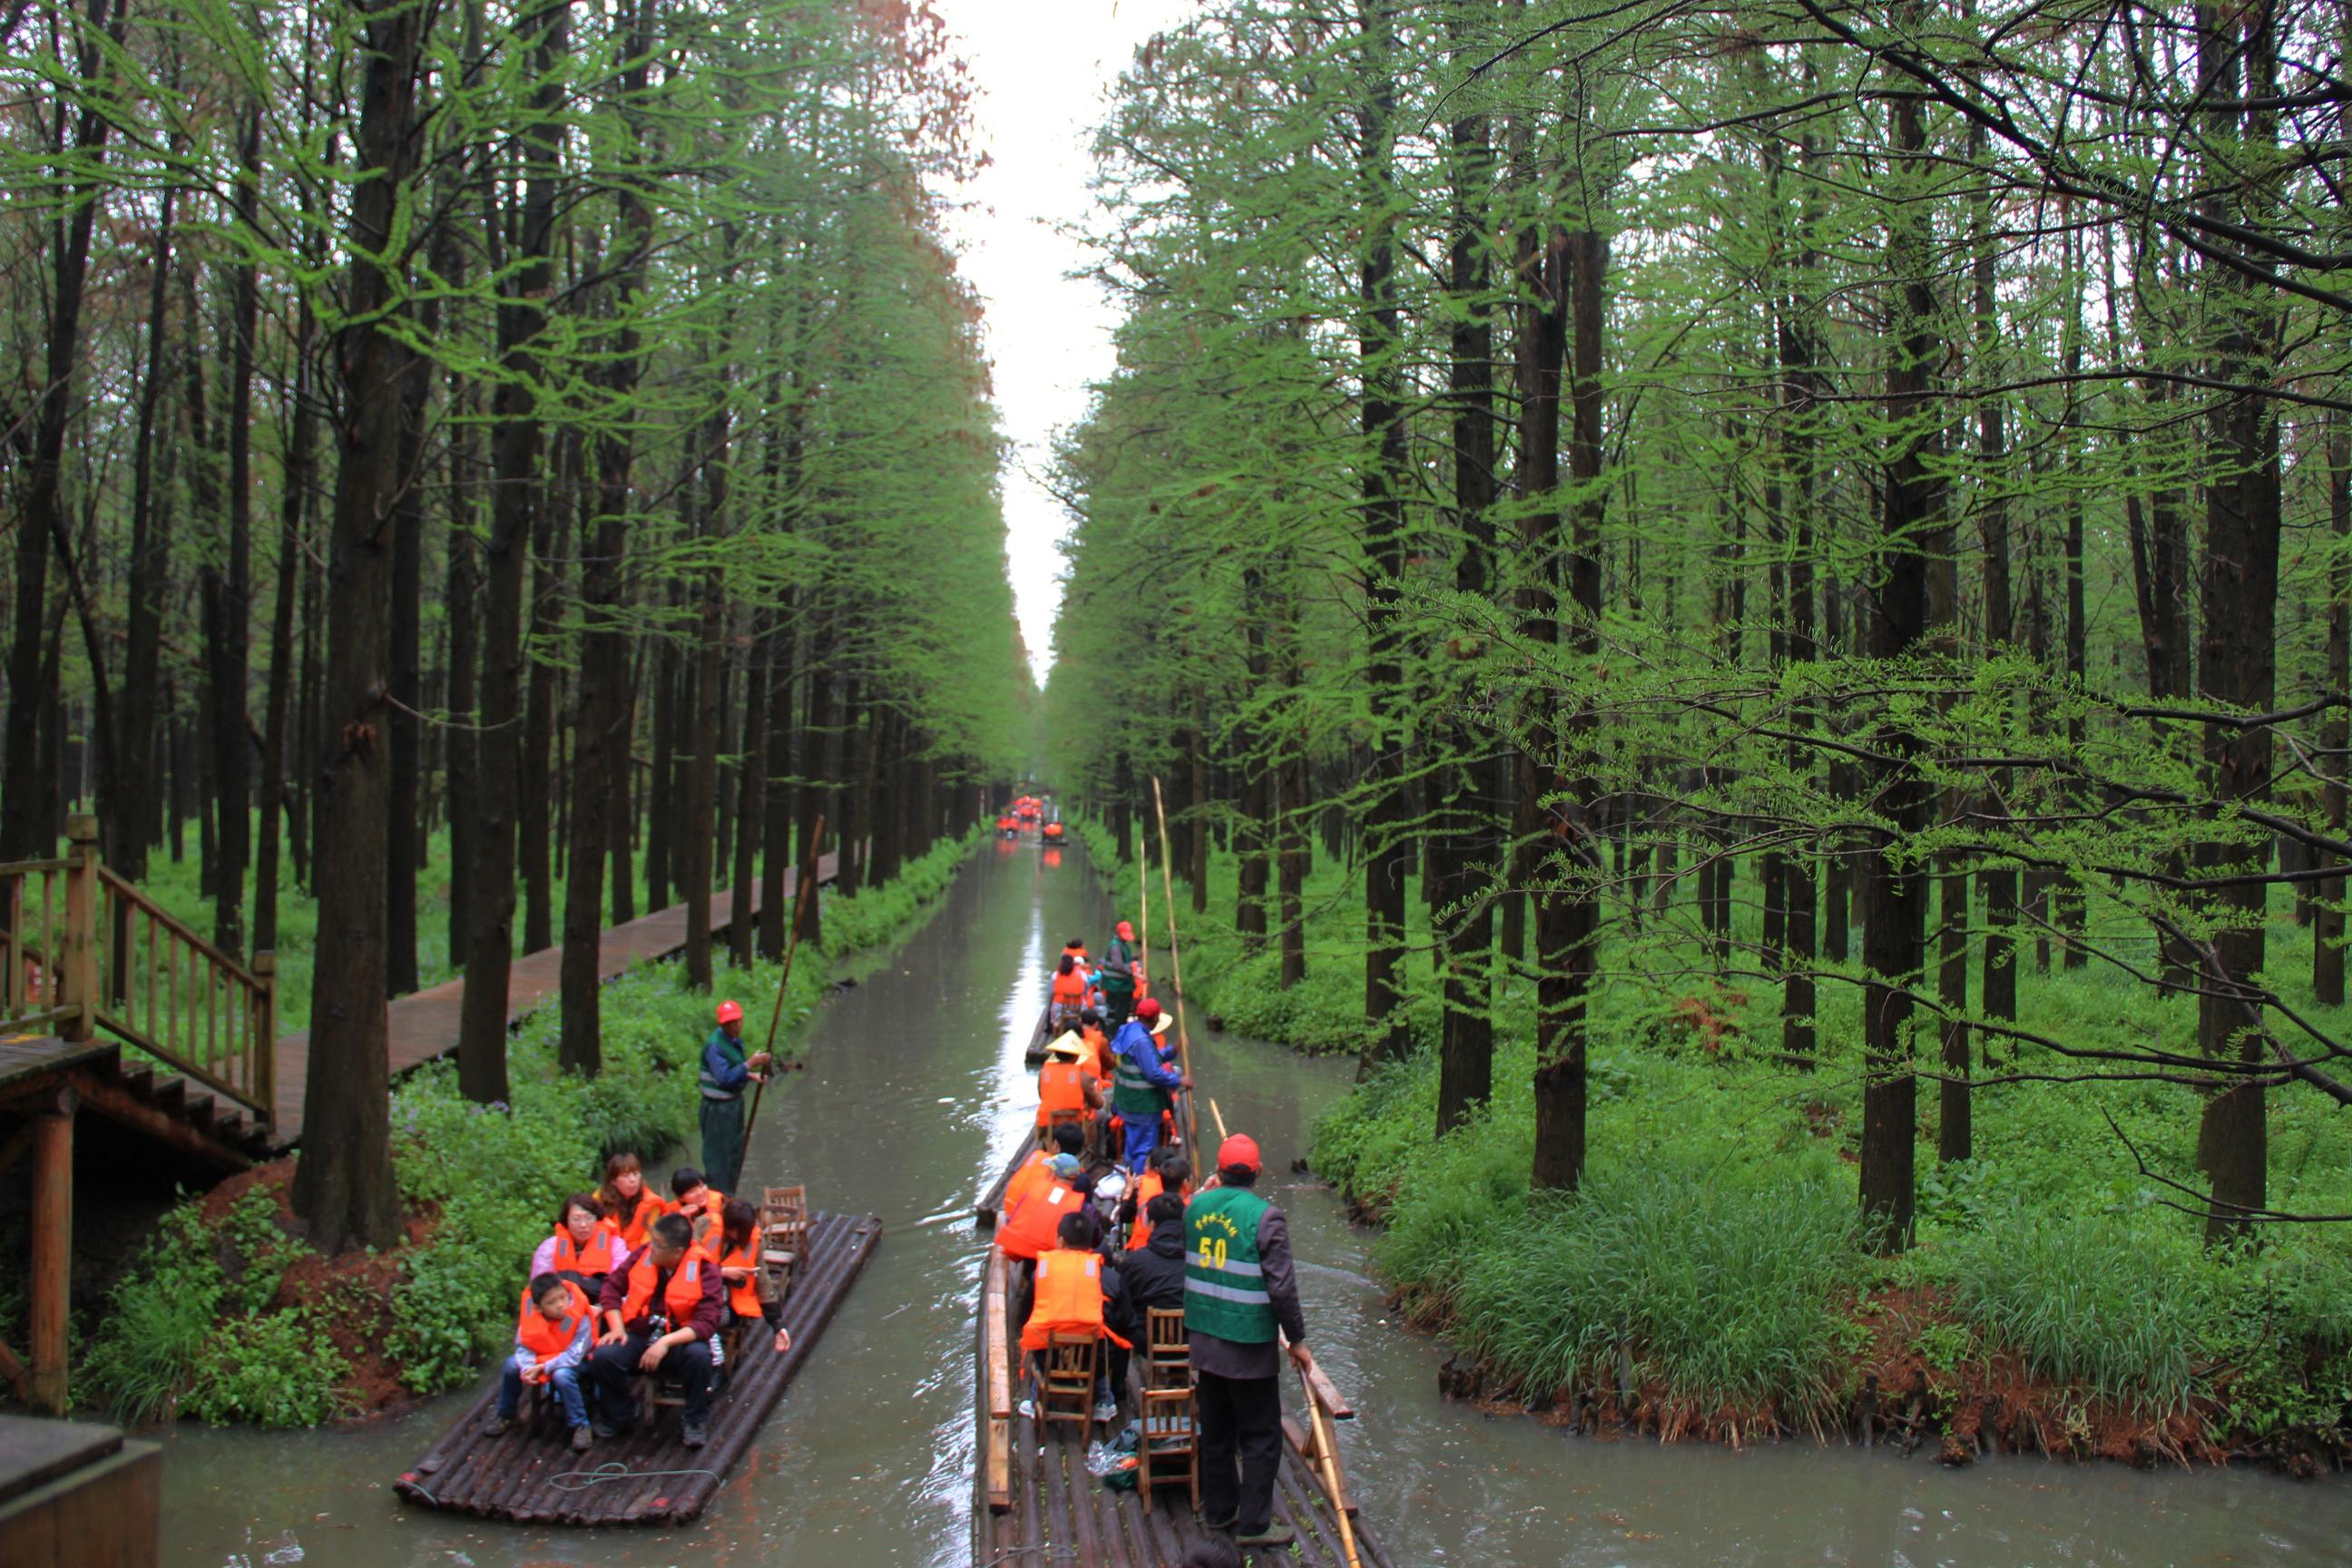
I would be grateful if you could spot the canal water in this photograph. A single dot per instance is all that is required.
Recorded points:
(914, 1095)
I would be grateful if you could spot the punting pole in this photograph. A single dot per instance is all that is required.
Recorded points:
(1175, 961)
(1327, 1449)
(792, 945)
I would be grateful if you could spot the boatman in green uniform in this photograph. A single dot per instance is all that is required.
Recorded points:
(725, 1071)
(1239, 1290)
(1118, 974)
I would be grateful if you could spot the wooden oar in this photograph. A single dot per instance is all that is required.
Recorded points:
(1175, 959)
(1326, 1453)
(792, 945)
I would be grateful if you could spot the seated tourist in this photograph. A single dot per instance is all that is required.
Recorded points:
(1168, 1172)
(552, 1340)
(1155, 1274)
(698, 1200)
(1065, 1084)
(1031, 1224)
(658, 1314)
(1037, 1171)
(1073, 1290)
(737, 1253)
(629, 1209)
(582, 1249)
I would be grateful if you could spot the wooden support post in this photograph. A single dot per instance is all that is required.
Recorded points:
(52, 1248)
(80, 967)
(263, 1074)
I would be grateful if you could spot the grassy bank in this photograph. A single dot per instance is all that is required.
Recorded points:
(228, 1317)
(1710, 1278)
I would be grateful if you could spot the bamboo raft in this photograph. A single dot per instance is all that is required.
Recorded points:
(1034, 1501)
(531, 1476)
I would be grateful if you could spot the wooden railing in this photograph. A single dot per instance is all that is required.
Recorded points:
(86, 951)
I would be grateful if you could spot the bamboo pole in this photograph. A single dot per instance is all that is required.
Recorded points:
(801, 895)
(1327, 1450)
(1175, 962)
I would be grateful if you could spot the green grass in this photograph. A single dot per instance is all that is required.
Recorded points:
(1715, 1236)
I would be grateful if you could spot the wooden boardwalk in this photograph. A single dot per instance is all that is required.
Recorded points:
(1046, 1507)
(531, 1475)
(424, 1025)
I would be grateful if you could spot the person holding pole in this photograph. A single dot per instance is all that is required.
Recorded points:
(725, 1071)
(1240, 1294)
(1121, 973)
(1142, 1088)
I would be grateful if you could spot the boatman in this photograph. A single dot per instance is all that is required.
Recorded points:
(725, 1070)
(1239, 1293)
(1121, 972)
(1145, 1083)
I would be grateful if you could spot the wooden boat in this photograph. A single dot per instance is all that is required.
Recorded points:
(530, 1474)
(1034, 1054)
(1034, 1501)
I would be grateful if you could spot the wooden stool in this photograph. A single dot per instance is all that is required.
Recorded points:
(1170, 1441)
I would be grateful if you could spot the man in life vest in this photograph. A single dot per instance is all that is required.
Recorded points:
(1065, 1084)
(1155, 1273)
(1121, 974)
(658, 1314)
(1037, 1170)
(1170, 1171)
(725, 1072)
(552, 1340)
(1145, 1082)
(1076, 1294)
(1031, 1224)
(1240, 1296)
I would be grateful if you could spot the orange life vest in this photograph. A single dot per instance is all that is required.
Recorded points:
(683, 1296)
(650, 1208)
(1034, 1225)
(1148, 1186)
(1105, 1068)
(1070, 990)
(596, 1258)
(1061, 1086)
(710, 1204)
(743, 1295)
(1032, 1176)
(1069, 1299)
(545, 1340)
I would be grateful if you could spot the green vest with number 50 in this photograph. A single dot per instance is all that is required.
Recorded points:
(1224, 1284)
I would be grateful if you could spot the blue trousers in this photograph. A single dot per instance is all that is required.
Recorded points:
(1142, 1137)
(565, 1381)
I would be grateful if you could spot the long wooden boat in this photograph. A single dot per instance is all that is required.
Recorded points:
(1034, 1500)
(530, 1474)
(1034, 1055)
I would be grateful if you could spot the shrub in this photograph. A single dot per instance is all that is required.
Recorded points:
(159, 1317)
(275, 1370)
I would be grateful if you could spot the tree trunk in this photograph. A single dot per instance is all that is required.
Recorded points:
(296, 464)
(752, 782)
(2327, 920)
(407, 698)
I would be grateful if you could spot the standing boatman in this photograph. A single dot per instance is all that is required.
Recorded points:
(725, 1072)
(1121, 972)
(1143, 1081)
(1240, 1291)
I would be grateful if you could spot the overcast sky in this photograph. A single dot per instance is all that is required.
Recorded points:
(1044, 68)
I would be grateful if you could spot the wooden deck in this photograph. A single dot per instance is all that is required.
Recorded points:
(531, 1475)
(423, 1025)
(1047, 1508)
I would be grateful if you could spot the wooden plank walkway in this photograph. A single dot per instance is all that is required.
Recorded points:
(1060, 1512)
(530, 1474)
(424, 1025)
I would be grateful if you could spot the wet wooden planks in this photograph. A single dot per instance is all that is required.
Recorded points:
(424, 1025)
(531, 1476)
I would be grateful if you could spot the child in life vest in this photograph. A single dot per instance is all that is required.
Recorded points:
(551, 1343)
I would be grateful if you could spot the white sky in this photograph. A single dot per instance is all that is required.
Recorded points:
(1044, 69)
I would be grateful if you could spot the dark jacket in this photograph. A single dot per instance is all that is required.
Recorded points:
(708, 1312)
(1155, 1272)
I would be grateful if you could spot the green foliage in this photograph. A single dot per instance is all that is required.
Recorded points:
(158, 1319)
(274, 1370)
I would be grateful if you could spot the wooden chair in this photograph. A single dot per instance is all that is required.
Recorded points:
(784, 1228)
(1170, 1444)
(1073, 1363)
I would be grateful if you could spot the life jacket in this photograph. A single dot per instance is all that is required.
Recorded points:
(596, 1258)
(1103, 1069)
(1061, 1086)
(1070, 990)
(1029, 1178)
(542, 1339)
(1148, 1186)
(1224, 1282)
(683, 1296)
(711, 1205)
(1033, 1226)
(743, 1295)
(1069, 1299)
(651, 1206)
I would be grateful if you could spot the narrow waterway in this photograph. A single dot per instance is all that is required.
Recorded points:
(914, 1095)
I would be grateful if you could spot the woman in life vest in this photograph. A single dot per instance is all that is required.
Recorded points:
(580, 1250)
(552, 1337)
(698, 1200)
(1065, 1084)
(1069, 994)
(1032, 1223)
(629, 1210)
(736, 1249)
(1075, 1294)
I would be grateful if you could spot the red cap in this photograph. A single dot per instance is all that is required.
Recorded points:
(1240, 1149)
(1125, 930)
(729, 1013)
(1147, 1009)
